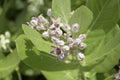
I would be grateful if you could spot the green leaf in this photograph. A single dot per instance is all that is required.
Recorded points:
(37, 39)
(62, 75)
(105, 52)
(8, 64)
(83, 16)
(39, 60)
(102, 14)
(104, 24)
(61, 8)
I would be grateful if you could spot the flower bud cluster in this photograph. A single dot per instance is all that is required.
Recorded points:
(5, 40)
(62, 36)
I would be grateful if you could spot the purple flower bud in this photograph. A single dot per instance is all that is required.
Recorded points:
(58, 51)
(49, 12)
(80, 56)
(75, 27)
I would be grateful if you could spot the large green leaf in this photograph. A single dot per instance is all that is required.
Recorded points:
(104, 24)
(37, 39)
(109, 52)
(61, 8)
(8, 64)
(62, 75)
(83, 16)
(39, 60)
(102, 14)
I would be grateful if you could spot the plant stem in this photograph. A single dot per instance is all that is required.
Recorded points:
(18, 73)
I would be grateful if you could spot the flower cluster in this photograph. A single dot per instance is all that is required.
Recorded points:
(62, 35)
(5, 40)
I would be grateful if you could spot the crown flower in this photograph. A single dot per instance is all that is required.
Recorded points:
(61, 35)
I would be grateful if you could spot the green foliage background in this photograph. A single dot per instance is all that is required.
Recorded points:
(99, 19)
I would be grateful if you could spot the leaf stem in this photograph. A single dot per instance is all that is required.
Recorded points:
(18, 73)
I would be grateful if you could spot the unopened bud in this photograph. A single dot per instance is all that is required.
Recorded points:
(66, 48)
(60, 42)
(82, 36)
(66, 27)
(80, 56)
(58, 32)
(45, 34)
(49, 12)
(75, 27)
(70, 40)
(82, 46)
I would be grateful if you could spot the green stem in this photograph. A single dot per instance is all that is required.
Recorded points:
(17, 69)
(18, 73)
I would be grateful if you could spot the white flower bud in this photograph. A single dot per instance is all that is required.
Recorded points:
(82, 46)
(75, 27)
(45, 34)
(82, 36)
(54, 39)
(70, 40)
(49, 12)
(40, 27)
(42, 20)
(56, 23)
(69, 33)
(51, 32)
(58, 32)
(60, 42)
(52, 26)
(61, 57)
(33, 22)
(7, 34)
(76, 42)
(66, 48)
(66, 27)
(80, 56)
(4, 42)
